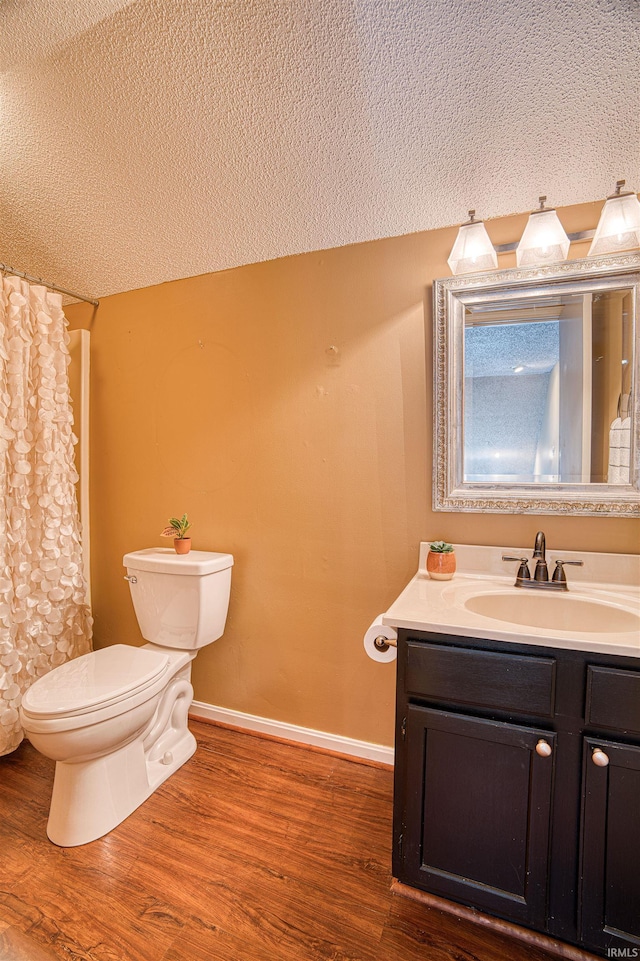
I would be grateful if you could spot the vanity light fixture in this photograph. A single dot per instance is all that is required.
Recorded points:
(544, 240)
(473, 249)
(619, 225)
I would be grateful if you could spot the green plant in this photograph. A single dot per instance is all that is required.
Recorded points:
(178, 527)
(441, 547)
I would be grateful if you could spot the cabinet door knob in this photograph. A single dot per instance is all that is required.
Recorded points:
(599, 757)
(543, 748)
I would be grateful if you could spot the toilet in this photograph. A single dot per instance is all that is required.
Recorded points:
(115, 720)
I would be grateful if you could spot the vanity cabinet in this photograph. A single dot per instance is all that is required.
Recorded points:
(610, 839)
(478, 828)
(610, 885)
(499, 802)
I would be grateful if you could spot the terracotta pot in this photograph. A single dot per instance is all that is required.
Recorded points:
(441, 567)
(182, 545)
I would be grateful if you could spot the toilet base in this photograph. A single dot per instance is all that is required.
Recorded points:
(92, 796)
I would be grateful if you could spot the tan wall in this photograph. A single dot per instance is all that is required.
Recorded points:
(286, 406)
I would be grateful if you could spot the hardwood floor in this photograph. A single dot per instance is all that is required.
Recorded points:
(253, 850)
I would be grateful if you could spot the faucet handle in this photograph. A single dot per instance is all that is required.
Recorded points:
(523, 570)
(559, 575)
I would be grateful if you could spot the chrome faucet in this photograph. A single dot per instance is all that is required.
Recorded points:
(540, 577)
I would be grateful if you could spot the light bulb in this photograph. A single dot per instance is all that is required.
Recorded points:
(473, 249)
(544, 240)
(619, 224)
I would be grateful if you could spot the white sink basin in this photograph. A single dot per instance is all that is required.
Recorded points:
(560, 612)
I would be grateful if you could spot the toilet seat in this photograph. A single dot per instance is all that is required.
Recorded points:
(96, 682)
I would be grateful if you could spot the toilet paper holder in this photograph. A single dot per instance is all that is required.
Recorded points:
(383, 644)
(380, 641)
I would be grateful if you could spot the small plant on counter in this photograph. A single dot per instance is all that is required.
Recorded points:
(441, 561)
(440, 547)
(178, 527)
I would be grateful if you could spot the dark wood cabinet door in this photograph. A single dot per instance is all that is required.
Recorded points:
(477, 815)
(610, 847)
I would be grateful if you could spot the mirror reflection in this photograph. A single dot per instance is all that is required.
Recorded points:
(547, 385)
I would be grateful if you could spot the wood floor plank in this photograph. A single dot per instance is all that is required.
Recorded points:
(16, 946)
(254, 851)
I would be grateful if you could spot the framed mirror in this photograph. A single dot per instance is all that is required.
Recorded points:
(536, 400)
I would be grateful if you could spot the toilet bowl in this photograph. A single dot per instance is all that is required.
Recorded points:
(115, 720)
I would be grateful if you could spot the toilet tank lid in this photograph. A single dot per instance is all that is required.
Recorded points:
(164, 560)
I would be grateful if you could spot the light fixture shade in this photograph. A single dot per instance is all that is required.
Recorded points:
(619, 226)
(473, 249)
(544, 240)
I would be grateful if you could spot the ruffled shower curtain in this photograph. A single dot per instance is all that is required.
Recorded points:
(44, 616)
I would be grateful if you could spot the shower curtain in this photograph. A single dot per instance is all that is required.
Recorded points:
(44, 616)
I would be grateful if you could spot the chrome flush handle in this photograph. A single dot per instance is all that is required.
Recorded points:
(131, 578)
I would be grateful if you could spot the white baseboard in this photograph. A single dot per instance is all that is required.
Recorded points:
(291, 732)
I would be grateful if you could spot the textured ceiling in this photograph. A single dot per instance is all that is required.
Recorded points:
(149, 140)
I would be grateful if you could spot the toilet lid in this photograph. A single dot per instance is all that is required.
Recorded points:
(94, 681)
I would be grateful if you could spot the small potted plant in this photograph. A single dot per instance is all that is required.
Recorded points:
(178, 527)
(441, 561)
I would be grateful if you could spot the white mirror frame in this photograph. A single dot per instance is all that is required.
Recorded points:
(450, 297)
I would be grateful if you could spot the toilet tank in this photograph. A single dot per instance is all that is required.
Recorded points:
(180, 600)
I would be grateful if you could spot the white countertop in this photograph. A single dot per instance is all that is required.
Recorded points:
(439, 606)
